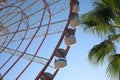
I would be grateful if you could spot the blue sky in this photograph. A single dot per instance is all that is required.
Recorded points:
(78, 66)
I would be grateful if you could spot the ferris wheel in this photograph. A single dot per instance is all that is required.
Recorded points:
(35, 37)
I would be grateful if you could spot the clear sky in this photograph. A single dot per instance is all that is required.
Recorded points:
(78, 66)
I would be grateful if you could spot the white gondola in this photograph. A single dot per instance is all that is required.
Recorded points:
(74, 20)
(74, 23)
(75, 7)
(60, 63)
(69, 31)
(46, 76)
(60, 53)
(71, 40)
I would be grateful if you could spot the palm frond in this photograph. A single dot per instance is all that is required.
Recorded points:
(117, 22)
(98, 21)
(113, 69)
(114, 37)
(100, 52)
(111, 3)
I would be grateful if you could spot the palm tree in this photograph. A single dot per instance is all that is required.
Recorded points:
(104, 20)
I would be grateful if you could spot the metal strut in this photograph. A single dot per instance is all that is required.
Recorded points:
(27, 56)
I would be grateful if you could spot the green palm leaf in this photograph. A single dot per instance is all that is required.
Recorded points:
(98, 21)
(113, 69)
(103, 19)
(114, 37)
(100, 52)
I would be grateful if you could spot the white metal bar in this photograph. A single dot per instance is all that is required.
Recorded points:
(27, 56)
